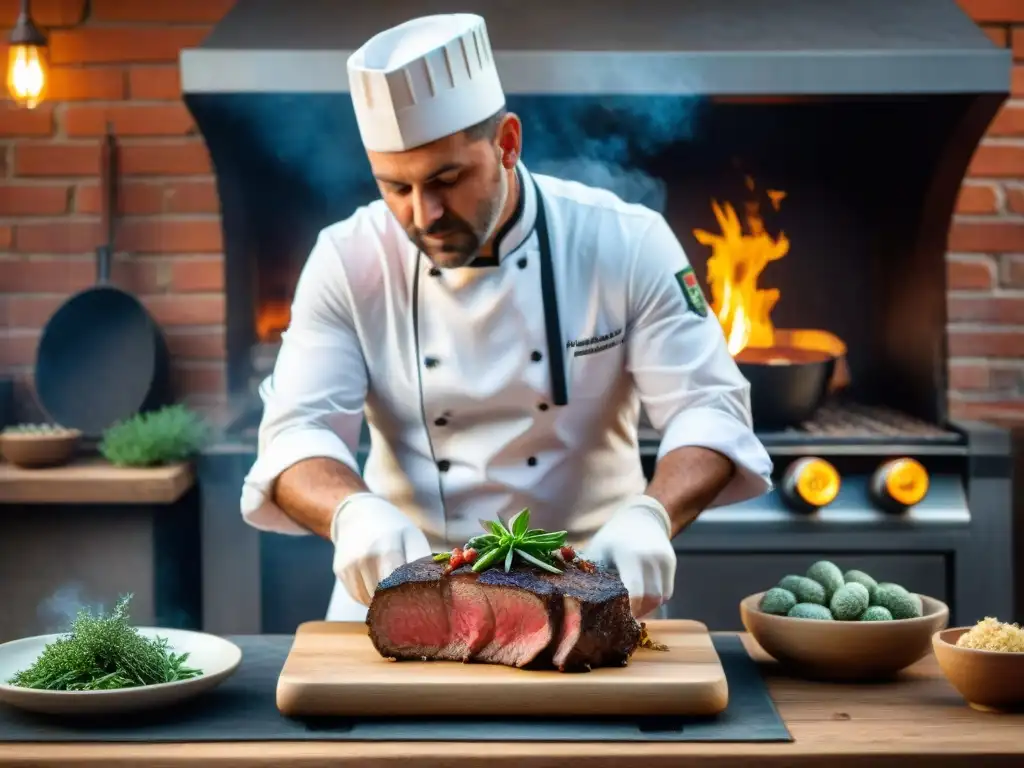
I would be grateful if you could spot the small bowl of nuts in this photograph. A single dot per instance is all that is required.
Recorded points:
(34, 446)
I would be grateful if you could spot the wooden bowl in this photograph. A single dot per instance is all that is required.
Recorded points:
(35, 451)
(844, 650)
(990, 681)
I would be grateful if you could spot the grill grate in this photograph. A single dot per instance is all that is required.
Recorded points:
(853, 420)
(843, 423)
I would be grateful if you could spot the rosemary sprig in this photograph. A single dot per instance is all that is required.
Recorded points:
(501, 545)
(103, 653)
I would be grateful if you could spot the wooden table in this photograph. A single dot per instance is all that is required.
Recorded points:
(93, 480)
(919, 720)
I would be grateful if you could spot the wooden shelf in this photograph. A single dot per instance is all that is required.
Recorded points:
(94, 481)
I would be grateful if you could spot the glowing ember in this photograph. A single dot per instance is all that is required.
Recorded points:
(736, 262)
(272, 320)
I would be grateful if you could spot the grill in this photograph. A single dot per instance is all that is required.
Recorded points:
(865, 113)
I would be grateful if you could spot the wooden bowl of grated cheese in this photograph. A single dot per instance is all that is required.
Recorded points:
(985, 663)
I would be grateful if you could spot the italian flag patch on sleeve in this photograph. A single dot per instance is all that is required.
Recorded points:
(691, 291)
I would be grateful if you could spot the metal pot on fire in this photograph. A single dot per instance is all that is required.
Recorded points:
(791, 371)
(790, 380)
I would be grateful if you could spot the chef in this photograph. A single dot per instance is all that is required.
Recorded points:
(499, 330)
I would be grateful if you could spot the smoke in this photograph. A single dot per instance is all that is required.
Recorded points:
(58, 611)
(606, 142)
(304, 147)
(308, 145)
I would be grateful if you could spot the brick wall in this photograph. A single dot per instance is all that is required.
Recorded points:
(112, 60)
(118, 60)
(986, 248)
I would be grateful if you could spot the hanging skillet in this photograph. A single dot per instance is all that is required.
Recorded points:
(102, 358)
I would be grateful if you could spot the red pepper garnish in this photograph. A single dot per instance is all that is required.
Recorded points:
(456, 559)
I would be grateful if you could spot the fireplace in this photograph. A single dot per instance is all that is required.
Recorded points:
(808, 156)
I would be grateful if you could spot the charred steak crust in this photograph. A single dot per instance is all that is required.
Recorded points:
(526, 617)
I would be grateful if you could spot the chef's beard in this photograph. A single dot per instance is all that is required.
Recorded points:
(463, 240)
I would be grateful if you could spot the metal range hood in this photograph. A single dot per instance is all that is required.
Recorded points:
(698, 47)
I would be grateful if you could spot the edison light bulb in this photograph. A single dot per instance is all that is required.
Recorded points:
(27, 75)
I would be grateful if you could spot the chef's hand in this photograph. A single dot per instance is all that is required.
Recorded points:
(371, 539)
(635, 541)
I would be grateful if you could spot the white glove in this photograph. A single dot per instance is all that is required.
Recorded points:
(371, 539)
(635, 541)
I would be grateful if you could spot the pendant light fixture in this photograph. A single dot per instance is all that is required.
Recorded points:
(27, 68)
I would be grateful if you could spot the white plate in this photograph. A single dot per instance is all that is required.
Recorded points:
(216, 657)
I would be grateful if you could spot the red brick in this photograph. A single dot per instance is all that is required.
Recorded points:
(969, 375)
(986, 237)
(170, 236)
(51, 159)
(161, 11)
(1004, 412)
(204, 274)
(154, 83)
(32, 311)
(193, 197)
(142, 275)
(977, 198)
(997, 161)
(1015, 199)
(199, 379)
(1012, 271)
(986, 343)
(6, 237)
(135, 120)
(134, 198)
(992, 10)
(18, 347)
(194, 344)
(26, 122)
(48, 275)
(57, 237)
(970, 274)
(33, 200)
(165, 159)
(92, 84)
(189, 309)
(1009, 122)
(100, 45)
(989, 309)
(1017, 80)
(999, 35)
(46, 13)
(1017, 42)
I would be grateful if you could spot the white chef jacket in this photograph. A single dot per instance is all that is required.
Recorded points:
(450, 369)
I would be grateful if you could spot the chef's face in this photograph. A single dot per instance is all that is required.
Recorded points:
(450, 195)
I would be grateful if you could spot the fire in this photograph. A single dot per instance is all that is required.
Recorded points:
(272, 319)
(736, 262)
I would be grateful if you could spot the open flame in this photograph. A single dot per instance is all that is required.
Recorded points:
(736, 262)
(272, 319)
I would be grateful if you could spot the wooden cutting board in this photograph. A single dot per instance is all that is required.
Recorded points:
(333, 669)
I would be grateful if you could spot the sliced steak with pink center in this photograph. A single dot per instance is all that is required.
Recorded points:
(524, 618)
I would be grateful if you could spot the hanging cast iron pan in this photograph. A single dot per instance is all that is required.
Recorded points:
(787, 385)
(102, 358)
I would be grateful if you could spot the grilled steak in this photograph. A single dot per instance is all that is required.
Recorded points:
(526, 617)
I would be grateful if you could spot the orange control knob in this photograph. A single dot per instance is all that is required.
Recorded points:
(810, 483)
(899, 484)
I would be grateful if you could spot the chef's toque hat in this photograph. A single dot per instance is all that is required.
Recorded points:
(423, 80)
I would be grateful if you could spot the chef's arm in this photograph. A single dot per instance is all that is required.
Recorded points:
(687, 481)
(311, 490)
(690, 387)
(313, 408)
